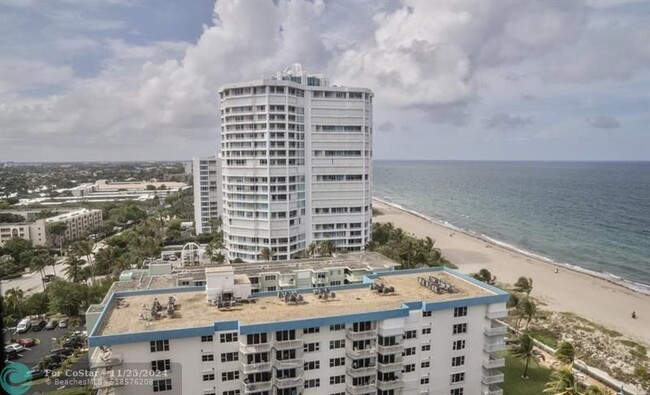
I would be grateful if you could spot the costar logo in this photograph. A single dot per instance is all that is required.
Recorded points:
(15, 378)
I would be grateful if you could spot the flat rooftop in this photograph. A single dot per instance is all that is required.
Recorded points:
(193, 309)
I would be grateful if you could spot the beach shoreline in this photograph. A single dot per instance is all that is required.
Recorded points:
(592, 295)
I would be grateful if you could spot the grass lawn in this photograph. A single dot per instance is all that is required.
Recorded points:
(515, 385)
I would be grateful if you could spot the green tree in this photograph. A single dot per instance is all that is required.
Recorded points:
(8, 265)
(73, 268)
(312, 249)
(105, 258)
(151, 187)
(13, 299)
(326, 248)
(266, 254)
(39, 263)
(85, 248)
(17, 247)
(596, 390)
(563, 382)
(174, 229)
(213, 249)
(523, 348)
(485, 276)
(67, 298)
(527, 310)
(524, 284)
(57, 229)
(566, 353)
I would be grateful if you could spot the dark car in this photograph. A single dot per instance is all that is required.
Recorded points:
(39, 325)
(62, 351)
(11, 354)
(36, 374)
(52, 324)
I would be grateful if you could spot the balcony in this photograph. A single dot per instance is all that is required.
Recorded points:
(105, 360)
(250, 388)
(288, 363)
(492, 377)
(254, 348)
(396, 366)
(361, 335)
(494, 315)
(493, 390)
(320, 280)
(105, 379)
(256, 367)
(354, 278)
(287, 382)
(288, 344)
(362, 371)
(496, 331)
(390, 385)
(392, 349)
(361, 389)
(366, 352)
(493, 363)
(494, 347)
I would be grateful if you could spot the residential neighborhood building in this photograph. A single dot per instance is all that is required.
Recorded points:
(206, 175)
(79, 223)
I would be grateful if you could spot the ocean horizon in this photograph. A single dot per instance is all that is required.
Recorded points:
(589, 216)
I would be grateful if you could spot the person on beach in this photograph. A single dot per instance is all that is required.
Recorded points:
(634, 314)
(557, 270)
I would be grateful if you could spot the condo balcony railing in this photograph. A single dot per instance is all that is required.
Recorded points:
(392, 349)
(254, 348)
(320, 280)
(107, 379)
(250, 388)
(287, 382)
(493, 363)
(105, 360)
(248, 368)
(492, 390)
(493, 315)
(390, 385)
(492, 377)
(362, 371)
(366, 352)
(288, 363)
(494, 347)
(496, 331)
(396, 366)
(361, 389)
(361, 335)
(288, 344)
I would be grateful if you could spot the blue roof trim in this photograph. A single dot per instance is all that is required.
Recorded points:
(139, 337)
(220, 326)
(480, 300)
(156, 291)
(413, 305)
(322, 321)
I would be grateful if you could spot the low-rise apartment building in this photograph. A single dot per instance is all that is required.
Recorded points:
(79, 223)
(421, 331)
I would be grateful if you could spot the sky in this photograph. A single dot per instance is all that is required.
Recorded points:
(453, 80)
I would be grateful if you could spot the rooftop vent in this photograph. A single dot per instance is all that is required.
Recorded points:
(382, 289)
(436, 285)
(324, 293)
(291, 297)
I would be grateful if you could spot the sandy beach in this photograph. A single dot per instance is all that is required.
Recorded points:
(590, 297)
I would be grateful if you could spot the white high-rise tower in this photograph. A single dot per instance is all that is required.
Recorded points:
(296, 165)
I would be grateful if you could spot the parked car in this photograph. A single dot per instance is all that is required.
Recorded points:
(63, 324)
(10, 355)
(15, 346)
(24, 325)
(51, 324)
(35, 374)
(56, 358)
(62, 351)
(26, 342)
(39, 325)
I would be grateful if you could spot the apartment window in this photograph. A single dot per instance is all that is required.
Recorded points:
(411, 334)
(161, 365)
(458, 361)
(207, 357)
(337, 327)
(162, 385)
(205, 339)
(334, 344)
(458, 345)
(311, 347)
(273, 288)
(313, 383)
(409, 368)
(460, 311)
(426, 347)
(229, 376)
(208, 377)
(311, 330)
(337, 379)
(458, 377)
(426, 314)
(159, 345)
(426, 331)
(269, 278)
(424, 380)
(425, 364)
(337, 362)
(256, 338)
(460, 328)
(312, 365)
(228, 337)
(457, 391)
(231, 392)
(229, 356)
(409, 351)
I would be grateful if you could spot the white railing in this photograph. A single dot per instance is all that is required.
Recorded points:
(494, 363)
(361, 335)
(496, 331)
(390, 385)
(287, 382)
(494, 347)
(493, 390)
(254, 348)
(249, 388)
(366, 352)
(288, 344)
(390, 367)
(256, 367)
(362, 371)
(105, 360)
(497, 314)
(392, 349)
(288, 363)
(361, 389)
(492, 378)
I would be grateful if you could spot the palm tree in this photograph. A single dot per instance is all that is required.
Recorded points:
(51, 261)
(213, 250)
(523, 348)
(266, 254)
(73, 270)
(39, 263)
(596, 390)
(524, 284)
(566, 353)
(14, 298)
(312, 249)
(104, 259)
(525, 309)
(85, 248)
(58, 229)
(563, 382)
(485, 276)
(327, 247)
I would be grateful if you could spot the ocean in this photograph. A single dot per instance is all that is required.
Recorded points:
(590, 216)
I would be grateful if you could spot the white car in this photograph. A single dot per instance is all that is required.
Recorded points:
(14, 347)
